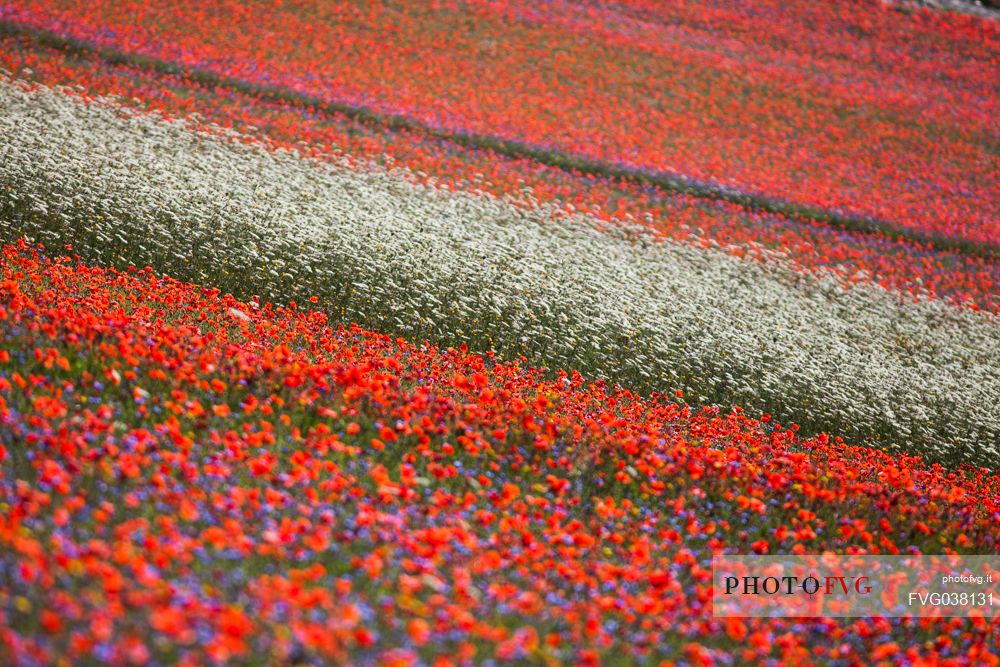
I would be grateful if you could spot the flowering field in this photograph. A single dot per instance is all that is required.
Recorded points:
(189, 477)
(461, 333)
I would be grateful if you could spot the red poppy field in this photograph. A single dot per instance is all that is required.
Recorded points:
(454, 333)
(190, 478)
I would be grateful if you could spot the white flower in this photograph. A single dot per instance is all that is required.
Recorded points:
(453, 267)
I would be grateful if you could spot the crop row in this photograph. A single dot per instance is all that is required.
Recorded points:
(789, 103)
(810, 246)
(453, 267)
(186, 478)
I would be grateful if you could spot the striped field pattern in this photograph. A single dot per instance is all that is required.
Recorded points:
(467, 332)
(474, 269)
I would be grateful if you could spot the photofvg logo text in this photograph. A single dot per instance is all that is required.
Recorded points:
(789, 585)
(833, 585)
